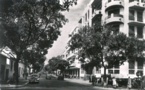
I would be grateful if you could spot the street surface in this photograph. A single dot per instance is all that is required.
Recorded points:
(67, 84)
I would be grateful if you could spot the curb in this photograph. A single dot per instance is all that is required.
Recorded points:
(13, 86)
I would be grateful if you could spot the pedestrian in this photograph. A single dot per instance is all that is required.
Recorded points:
(109, 79)
(93, 80)
(114, 82)
(129, 83)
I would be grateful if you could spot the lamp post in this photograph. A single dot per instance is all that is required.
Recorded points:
(105, 66)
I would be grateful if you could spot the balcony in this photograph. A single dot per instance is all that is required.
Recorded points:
(137, 5)
(114, 18)
(114, 4)
(96, 13)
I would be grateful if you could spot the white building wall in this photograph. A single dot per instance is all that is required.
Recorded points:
(124, 28)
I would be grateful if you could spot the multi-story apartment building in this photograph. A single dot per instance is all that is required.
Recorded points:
(128, 16)
(75, 69)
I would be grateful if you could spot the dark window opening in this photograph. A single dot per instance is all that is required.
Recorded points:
(133, 0)
(140, 64)
(109, 0)
(139, 32)
(86, 16)
(116, 71)
(131, 31)
(131, 71)
(139, 16)
(113, 11)
(110, 71)
(131, 14)
(88, 13)
(131, 65)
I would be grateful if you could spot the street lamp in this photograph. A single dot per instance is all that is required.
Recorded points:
(105, 63)
(105, 66)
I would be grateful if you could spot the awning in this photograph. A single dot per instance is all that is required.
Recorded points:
(70, 68)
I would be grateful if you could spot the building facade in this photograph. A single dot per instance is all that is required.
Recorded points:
(128, 16)
(7, 65)
(74, 70)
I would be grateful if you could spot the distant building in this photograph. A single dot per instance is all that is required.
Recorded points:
(127, 16)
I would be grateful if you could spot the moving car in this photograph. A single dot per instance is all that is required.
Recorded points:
(34, 78)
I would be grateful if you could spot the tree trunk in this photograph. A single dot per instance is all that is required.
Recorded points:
(16, 71)
(25, 71)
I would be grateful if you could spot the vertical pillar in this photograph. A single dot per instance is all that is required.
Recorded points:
(144, 68)
(135, 31)
(77, 74)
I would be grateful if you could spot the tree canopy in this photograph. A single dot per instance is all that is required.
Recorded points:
(31, 23)
(56, 63)
(103, 43)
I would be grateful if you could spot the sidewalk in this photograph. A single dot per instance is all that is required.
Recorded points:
(86, 82)
(22, 82)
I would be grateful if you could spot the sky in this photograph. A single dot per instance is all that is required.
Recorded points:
(73, 15)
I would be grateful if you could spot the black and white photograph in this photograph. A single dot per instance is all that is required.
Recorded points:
(72, 44)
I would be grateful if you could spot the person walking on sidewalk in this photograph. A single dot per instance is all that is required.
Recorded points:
(129, 83)
(93, 80)
(114, 82)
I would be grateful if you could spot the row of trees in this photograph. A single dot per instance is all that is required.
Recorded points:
(56, 63)
(29, 28)
(104, 47)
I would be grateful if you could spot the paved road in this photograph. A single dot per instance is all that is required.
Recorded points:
(67, 84)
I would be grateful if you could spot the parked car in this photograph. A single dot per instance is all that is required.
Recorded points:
(50, 76)
(60, 77)
(34, 78)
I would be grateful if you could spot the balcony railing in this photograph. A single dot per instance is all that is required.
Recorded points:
(135, 4)
(115, 15)
(114, 18)
(114, 3)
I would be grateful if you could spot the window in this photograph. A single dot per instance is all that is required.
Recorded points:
(131, 67)
(115, 69)
(133, 0)
(131, 31)
(143, 1)
(88, 13)
(139, 32)
(140, 64)
(109, 0)
(131, 14)
(86, 16)
(139, 16)
(110, 71)
(116, 28)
